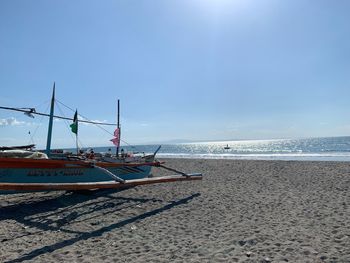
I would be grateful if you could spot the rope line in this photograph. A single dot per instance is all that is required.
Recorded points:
(102, 128)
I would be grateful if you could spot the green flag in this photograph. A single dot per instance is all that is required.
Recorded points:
(74, 125)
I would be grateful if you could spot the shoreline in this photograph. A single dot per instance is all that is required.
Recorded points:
(242, 211)
(254, 157)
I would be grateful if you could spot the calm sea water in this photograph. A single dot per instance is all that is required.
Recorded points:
(326, 149)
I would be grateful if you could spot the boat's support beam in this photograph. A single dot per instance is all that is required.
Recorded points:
(160, 146)
(173, 170)
(115, 177)
(95, 185)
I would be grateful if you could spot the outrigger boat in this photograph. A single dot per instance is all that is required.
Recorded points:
(23, 169)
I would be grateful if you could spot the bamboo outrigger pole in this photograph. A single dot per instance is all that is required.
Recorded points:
(32, 111)
(96, 185)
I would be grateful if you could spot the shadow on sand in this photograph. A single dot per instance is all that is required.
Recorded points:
(60, 212)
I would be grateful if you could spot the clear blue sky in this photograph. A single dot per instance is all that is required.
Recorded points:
(183, 69)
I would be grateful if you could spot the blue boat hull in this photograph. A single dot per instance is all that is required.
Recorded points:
(50, 171)
(70, 175)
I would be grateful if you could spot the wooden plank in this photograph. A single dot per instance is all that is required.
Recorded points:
(95, 185)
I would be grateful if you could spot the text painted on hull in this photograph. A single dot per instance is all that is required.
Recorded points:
(71, 172)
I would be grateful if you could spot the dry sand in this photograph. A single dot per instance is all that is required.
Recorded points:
(242, 211)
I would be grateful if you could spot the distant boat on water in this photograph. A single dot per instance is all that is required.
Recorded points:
(227, 147)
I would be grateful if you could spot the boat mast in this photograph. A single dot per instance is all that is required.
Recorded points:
(118, 127)
(49, 133)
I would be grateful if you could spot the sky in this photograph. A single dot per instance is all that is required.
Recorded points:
(195, 70)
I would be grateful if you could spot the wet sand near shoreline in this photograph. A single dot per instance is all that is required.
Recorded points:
(242, 211)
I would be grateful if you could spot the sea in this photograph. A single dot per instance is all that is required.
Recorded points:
(307, 149)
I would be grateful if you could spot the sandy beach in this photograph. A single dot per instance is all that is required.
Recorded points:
(242, 211)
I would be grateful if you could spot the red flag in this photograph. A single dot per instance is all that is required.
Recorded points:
(116, 139)
(116, 133)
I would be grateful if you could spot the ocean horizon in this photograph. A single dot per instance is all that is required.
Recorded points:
(307, 149)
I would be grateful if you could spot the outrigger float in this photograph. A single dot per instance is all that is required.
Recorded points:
(22, 169)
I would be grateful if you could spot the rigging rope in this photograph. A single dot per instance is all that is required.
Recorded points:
(102, 128)
(67, 124)
(40, 121)
(98, 124)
